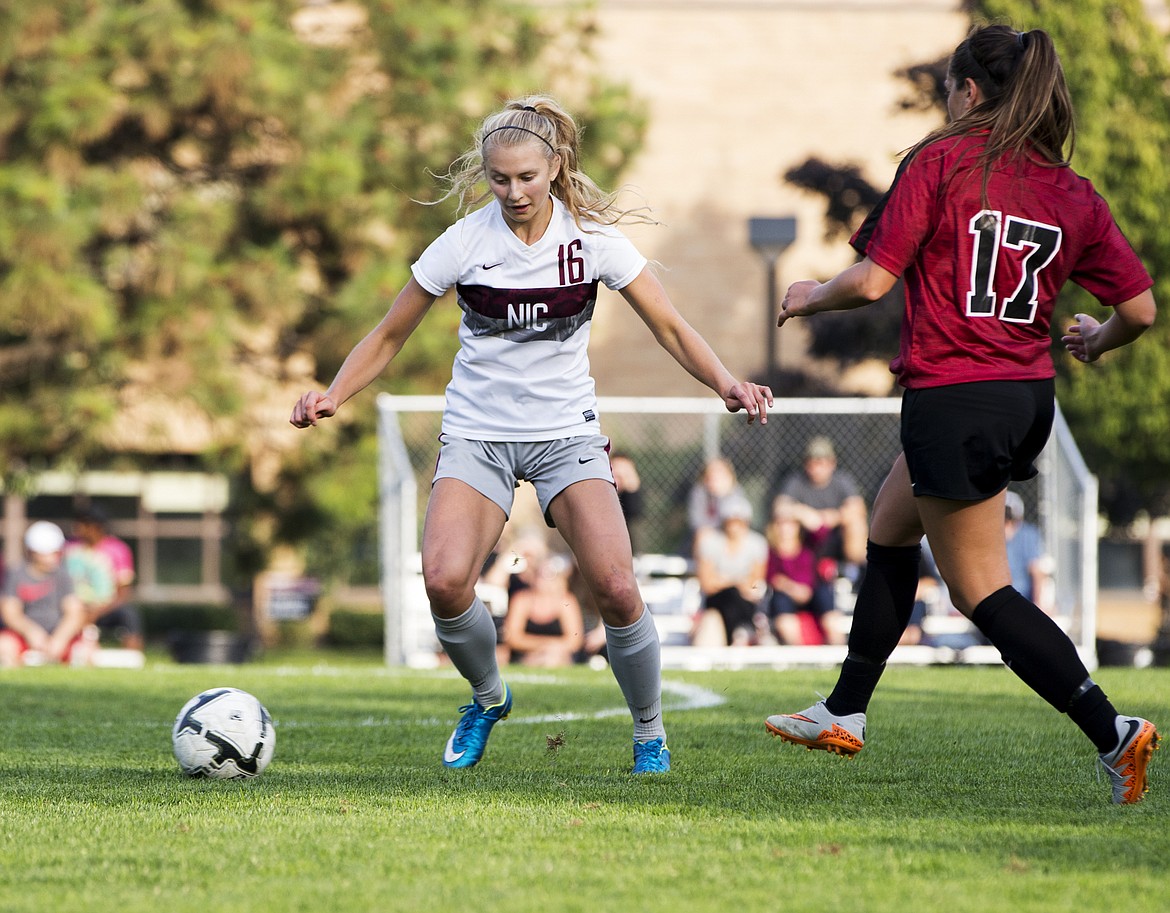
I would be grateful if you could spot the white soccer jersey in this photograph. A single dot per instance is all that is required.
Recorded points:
(522, 370)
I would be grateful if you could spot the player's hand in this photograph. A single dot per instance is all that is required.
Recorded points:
(310, 407)
(1080, 337)
(795, 303)
(754, 398)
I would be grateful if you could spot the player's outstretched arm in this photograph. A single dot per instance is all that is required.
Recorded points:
(860, 284)
(368, 358)
(649, 300)
(1088, 339)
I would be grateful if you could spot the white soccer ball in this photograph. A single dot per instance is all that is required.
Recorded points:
(223, 733)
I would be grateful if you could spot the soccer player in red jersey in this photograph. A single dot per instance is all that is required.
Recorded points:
(985, 222)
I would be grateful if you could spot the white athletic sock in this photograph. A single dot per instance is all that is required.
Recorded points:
(470, 642)
(635, 655)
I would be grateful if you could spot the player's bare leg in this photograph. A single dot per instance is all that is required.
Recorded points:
(462, 526)
(967, 541)
(969, 548)
(588, 515)
(838, 723)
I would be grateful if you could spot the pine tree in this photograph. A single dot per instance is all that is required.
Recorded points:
(204, 204)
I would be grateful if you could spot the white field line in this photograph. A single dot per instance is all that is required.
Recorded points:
(692, 697)
(685, 697)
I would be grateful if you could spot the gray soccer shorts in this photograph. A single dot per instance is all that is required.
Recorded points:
(496, 468)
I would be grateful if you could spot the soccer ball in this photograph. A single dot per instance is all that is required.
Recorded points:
(223, 733)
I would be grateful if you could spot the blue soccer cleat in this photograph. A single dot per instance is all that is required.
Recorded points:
(468, 741)
(652, 757)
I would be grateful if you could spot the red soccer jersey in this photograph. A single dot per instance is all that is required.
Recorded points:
(981, 282)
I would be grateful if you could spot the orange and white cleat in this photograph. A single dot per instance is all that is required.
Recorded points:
(1127, 763)
(819, 729)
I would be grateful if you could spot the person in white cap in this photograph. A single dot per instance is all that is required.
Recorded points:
(40, 611)
(1028, 559)
(730, 564)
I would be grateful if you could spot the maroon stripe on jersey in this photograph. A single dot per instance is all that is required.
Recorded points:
(493, 303)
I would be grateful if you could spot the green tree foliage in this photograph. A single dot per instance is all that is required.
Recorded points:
(848, 337)
(1119, 75)
(205, 203)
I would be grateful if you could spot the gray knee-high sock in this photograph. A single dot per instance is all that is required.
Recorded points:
(635, 655)
(470, 642)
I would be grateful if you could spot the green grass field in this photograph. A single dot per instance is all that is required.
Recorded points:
(971, 794)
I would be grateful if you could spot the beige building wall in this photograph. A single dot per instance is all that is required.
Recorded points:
(738, 92)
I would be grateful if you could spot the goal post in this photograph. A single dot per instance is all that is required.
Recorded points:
(670, 438)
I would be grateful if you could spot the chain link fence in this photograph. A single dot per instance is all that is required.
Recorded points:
(670, 439)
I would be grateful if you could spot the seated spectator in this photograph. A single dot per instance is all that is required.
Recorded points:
(595, 649)
(1157, 591)
(102, 568)
(933, 598)
(1028, 560)
(927, 598)
(914, 633)
(834, 494)
(510, 569)
(716, 484)
(801, 607)
(544, 626)
(41, 613)
(629, 491)
(730, 564)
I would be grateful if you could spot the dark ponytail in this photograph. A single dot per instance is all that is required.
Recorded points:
(1026, 108)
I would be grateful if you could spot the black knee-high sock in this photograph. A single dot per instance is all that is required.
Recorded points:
(1035, 648)
(885, 602)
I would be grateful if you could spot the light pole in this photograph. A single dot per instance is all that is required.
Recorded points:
(771, 237)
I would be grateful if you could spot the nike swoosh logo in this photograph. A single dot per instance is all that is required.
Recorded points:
(651, 720)
(586, 460)
(1134, 726)
(491, 265)
(452, 756)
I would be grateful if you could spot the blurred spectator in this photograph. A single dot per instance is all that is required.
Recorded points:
(834, 494)
(933, 598)
(716, 484)
(42, 615)
(731, 562)
(1157, 590)
(512, 566)
(102, 568)
(1028, 561)
(629, 492)
(544, 626)
(801, 607)
(915, 632)
(930, 597)
(509, 570)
